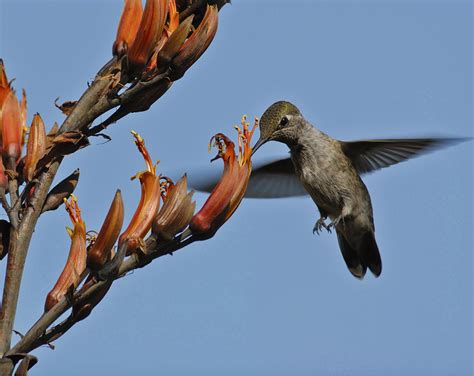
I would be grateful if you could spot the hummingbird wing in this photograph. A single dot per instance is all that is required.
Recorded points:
(273, 179)
(371, 155)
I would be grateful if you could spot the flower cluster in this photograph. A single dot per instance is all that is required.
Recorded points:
(154, 39)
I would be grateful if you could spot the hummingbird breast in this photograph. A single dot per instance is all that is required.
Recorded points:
(329, 177)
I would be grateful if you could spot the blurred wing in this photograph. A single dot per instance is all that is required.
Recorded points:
(371, 155)
(275, 179)
(268, 180)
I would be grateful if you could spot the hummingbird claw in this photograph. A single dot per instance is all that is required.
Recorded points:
(319, 225)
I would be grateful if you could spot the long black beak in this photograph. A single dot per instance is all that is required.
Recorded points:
(259, 143)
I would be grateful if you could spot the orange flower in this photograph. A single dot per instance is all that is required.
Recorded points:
(11, 128)
(229, 191)
(148, 34)
(101, 250)
(128, 26)
(76, 261)
(36, 147)
(148, 205)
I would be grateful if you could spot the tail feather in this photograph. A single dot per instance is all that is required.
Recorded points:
(351, 257)
(358, 260)
(369, 253)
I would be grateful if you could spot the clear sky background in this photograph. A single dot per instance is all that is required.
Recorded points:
(266, 296)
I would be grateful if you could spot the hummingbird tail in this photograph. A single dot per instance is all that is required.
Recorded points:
(351, 257)
(369, 253)
(358, 260)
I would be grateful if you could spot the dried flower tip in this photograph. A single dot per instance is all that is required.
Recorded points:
(176, 213)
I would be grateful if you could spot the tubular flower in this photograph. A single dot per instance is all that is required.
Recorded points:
(177, 211)
(11, 128)
(128, 26)
(101, 250)
(13, 116)
(197, 43)
(36, 147)
(149, 32)
(76, 261)
(229, 191)
(148, 205)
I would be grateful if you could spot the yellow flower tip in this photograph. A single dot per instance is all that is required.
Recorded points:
(140, 142)
(69, 231)
(72, 207)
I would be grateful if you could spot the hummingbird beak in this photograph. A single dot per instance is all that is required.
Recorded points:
(259, 143)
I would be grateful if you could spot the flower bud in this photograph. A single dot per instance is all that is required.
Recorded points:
(128, 26)
(149, 31)
(197, 43)
(101, 250)
(11, 128)
(36, 147)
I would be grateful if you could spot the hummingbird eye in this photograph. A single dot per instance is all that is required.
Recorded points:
(283, 121)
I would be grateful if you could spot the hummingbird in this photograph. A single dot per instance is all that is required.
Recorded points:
(330, 171)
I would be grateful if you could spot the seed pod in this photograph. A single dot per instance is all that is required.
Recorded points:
(100, 252)
(11, 128)
(149, 31)
(197, 43)
(36, 147)
(76, 261)
(61, 191)
(176, 213)
(128, 26)
(173, 44)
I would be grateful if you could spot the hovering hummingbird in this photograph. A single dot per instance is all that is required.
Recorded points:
(329, 171)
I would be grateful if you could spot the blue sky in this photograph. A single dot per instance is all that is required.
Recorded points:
(266, 296)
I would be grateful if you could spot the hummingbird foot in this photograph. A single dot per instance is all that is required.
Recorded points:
(336, 221)
(319, 225)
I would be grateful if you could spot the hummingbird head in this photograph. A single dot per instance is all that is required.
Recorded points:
(278, 123)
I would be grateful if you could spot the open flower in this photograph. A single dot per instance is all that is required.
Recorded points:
(148, 205)
(76, 261)
(229, 191)
(177, 211)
